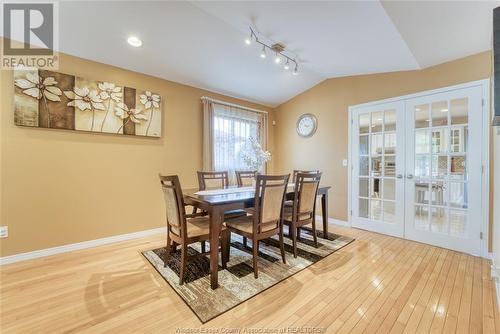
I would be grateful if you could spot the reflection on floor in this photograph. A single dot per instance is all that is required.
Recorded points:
(452, 222)
(377, 283)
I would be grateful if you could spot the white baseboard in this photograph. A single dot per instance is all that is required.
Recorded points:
(79, 245)
(333, 221)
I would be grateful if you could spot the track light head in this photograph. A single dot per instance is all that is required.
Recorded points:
(287, 65)
(263, 52)
(248, 40)
(296, 70)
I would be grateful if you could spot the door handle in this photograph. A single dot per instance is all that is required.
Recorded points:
(409, 176)
(399, 176)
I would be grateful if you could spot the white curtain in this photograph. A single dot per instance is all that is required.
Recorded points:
(227, 130)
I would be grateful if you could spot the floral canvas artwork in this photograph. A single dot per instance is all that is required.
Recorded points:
(55, 100)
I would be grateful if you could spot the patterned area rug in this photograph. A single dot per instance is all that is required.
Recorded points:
(237, 283)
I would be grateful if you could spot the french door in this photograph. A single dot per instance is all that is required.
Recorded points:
(378, 160)
(417, 168)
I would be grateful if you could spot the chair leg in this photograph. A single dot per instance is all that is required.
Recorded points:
(203, 246)
(245, 242)
(255, 250)
(315, 237)
(282, 244)
(167, 255)
(174, 246)
(183, 263)
(293, 236)
(225, 237)
(298, 233)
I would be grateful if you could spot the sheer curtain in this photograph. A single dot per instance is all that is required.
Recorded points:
(227, 131)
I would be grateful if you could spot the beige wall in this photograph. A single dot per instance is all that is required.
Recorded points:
(60, 187)
(330, 100)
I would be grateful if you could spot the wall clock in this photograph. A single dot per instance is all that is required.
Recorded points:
(306, 125)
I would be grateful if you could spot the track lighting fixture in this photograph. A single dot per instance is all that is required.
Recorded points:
(277, 48)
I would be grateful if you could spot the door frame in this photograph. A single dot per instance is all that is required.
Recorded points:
(485, 151)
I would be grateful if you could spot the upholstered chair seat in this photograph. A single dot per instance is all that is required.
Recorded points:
(196, 227)
(245, 224)
(289, 212)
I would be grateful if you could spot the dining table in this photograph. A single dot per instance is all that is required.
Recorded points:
(217, 202)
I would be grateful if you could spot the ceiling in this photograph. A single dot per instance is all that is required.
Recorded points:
(200, 43)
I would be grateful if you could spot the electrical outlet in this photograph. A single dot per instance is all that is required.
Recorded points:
(4, 231)
(344, 162)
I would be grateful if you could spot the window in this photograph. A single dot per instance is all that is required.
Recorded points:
(230, 131)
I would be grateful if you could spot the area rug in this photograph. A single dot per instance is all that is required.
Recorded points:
(237, 283)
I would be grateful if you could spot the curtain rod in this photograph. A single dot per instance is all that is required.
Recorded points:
(232, 104)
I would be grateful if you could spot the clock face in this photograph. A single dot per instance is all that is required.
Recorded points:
(306, 125)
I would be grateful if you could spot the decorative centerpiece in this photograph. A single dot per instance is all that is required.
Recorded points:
(254, 156)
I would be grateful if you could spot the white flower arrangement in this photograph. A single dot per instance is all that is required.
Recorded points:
(254, 156)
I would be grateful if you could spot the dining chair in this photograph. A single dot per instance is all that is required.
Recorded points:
(296, 171)
(213, 180)
(184, 229)
(303, 208)
(245, 178)
(267, 220)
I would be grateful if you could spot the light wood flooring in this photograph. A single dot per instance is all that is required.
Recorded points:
(377, 284)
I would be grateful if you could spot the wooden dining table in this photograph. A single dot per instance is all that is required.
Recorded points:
(216, 204)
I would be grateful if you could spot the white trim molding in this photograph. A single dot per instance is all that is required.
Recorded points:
(485, 149)
(319, 219)
(495, 276)
(79, 245)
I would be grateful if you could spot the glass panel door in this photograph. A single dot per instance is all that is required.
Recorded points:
(443, 176)
(377, 162)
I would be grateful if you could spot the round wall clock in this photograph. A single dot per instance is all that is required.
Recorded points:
(306, 125)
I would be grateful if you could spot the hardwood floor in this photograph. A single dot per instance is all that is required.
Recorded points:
(377, 284)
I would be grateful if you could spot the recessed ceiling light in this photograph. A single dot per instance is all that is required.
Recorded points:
(134, 41)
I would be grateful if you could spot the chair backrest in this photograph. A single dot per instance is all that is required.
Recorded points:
(296, 171)
(306, 191)
(213, 180)
(270, 193)
(174, 203)
(245, 178)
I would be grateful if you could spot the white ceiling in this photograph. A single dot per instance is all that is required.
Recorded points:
(200, 43)
(439, 31)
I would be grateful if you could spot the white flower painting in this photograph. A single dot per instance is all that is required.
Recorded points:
(41, 89)
(56, 100)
